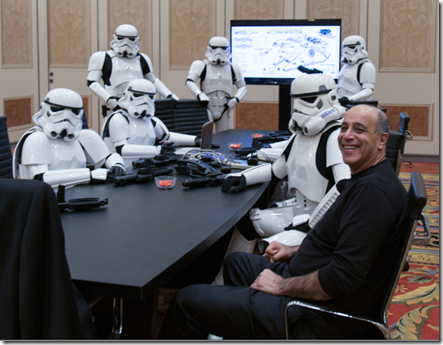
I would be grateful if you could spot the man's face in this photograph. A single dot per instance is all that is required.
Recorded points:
(360, 146)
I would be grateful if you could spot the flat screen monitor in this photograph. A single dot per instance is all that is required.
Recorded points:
(270, 52)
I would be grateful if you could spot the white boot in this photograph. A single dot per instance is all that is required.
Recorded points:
(238, 243)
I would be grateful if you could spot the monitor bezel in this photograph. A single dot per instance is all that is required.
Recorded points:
(280, 23)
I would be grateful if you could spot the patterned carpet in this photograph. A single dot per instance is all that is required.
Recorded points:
(415, 310)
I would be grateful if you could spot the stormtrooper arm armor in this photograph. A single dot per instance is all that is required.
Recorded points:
(263, 173)
(159, 86)
(182, 139)
(66, 177)
(146, 151)
(194, 74)
(367, 80)
(97, 152)
(241, 87)
(95, 73)
(162, 135)
(340, 170)
(119, 132)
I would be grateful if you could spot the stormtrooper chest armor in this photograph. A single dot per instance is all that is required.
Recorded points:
(303, 175)
(348, 84)
(66, 155)
(142, 132)
(123, 70)
(218, 78)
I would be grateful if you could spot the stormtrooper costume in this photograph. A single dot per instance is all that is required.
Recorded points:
(217, 75)
(57, 149)
(356, 79)
(119, 65)
(311, 162)
(133, 131)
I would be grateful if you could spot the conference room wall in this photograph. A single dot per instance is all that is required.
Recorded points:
(402, 38)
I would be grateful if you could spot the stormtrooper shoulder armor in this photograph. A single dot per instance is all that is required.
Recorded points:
(116, 127)
(367, 73)
(196, 70)
(35, 148)
(239, 80)
(96, 61)
(333, 153)
(95, 149)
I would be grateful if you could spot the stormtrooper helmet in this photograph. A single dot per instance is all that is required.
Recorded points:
(138, 99)
(354, 49)
(60, 114)
(315, 103)
(125, 42)
(218, 50)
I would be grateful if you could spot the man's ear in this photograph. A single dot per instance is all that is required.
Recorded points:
(383, 140)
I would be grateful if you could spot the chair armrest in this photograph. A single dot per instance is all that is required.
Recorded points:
(423, 240)
(383, 328)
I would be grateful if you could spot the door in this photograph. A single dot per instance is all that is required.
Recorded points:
(72, 37)
(19, 69)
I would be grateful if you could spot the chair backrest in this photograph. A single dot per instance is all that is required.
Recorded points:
(185, 116)
(403, 128)
(5, 150)
(417, 201)
(372, 102)
(39, 300)
(163, 110)
(395, 146)
(189, 117)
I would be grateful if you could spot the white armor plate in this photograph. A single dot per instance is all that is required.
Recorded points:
(304, 172)
(348, 84)
(61, 154)
(123, 70)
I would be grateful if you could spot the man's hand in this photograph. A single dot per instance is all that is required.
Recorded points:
(268, 282)
(277, 251)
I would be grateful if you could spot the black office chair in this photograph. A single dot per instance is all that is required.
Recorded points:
(395, 148)
(5, 150)
(189, 117)
(417, 200)
(372, 102)
(163, 110)
(38, 299)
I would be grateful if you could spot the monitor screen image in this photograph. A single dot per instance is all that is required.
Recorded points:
(270, 52)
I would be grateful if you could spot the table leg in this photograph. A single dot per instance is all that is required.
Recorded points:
(117, 318)
(142, 318)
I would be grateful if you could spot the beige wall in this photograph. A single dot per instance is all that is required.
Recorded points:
(55, 37)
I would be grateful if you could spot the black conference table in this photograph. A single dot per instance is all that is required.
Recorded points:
(145, 235)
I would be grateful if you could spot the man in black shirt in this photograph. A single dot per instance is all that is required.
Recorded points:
(344, 262)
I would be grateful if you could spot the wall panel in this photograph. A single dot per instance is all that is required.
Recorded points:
(259, 9)
(18, 111)
(408, 36)
(134, 12)
(346, 10)
(255, 115)
(69, 33)
(192, 23)
(421, 118)
(16, 34)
